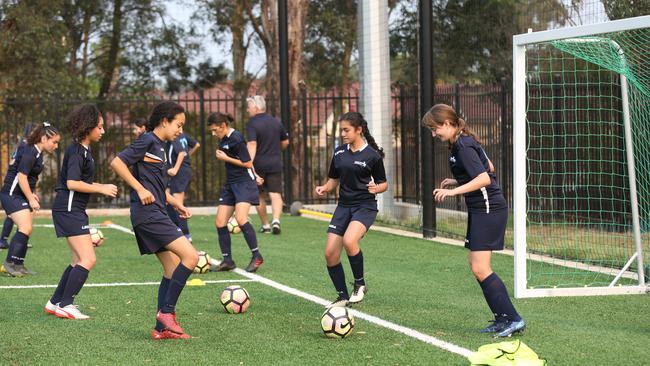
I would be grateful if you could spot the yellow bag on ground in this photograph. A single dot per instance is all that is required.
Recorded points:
(512, 353)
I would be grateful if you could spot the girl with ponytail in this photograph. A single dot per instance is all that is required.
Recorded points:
(487, 211)
(17, 194)
(358, 168)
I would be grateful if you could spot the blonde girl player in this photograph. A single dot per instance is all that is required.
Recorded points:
(486, 207)
(154, 230)
(76, 184)
(357, 167)
(18, 193)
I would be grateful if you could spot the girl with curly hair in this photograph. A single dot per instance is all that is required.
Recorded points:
(73, 191)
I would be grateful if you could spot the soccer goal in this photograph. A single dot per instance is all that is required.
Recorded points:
(581, 141)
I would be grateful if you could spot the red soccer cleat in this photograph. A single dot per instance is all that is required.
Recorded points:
(167, 334)
(169, 321)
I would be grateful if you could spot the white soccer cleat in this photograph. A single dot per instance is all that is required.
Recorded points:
(70, 312)
(50, 308)
(358, 293)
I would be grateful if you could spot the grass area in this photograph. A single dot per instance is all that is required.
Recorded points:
(414, 283)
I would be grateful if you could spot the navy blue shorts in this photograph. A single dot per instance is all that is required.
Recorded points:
(272, 182)
(70, 223)
(233, 193)
(344, 215)
(181, 181)
(154, 235)
(14, 203)
(485, 231)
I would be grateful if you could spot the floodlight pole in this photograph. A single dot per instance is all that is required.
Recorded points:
(426, 140)
(285, 102)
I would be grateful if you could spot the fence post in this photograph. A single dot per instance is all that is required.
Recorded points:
(204, 176)
(305, 161)
(426, 98)
(505, 182)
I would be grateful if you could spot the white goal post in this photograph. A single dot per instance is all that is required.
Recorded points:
(547, 136)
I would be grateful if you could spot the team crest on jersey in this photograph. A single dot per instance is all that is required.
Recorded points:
(452, 159)
(361, 163)
(225, 147)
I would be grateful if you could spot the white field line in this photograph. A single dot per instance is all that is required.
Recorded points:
(116, 284)
(361, 315)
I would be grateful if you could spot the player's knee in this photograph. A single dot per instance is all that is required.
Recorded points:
(480, 272)
(331, 256)
(26, 229)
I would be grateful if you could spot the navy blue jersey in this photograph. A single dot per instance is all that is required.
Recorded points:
(234, 145)
(29, 161)
(467, 160)
(268, 132)
(355, 170)
(78, 165)
(20, 146)
(182, 143)
(148, 161)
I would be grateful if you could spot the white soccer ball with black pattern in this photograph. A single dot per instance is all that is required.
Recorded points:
(337, 322)
(233, 226)
(203, 265)
(96, 236)
(235, 299)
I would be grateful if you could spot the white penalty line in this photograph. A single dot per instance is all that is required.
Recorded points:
(450, 347)
(116, 284)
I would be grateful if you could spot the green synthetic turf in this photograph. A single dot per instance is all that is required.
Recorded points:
(414, 283)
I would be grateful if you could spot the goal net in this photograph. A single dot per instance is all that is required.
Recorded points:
(582, 159)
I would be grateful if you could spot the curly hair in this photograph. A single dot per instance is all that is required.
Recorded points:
(165, 110)
(82, 120)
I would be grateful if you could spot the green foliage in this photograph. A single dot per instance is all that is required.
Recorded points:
(619, 9)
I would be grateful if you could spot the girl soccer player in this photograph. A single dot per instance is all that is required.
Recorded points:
(86, 126)
(8, 225)
(17, 194)
(487, 210)
(238, 194)
(360, 172)
(154, 231)
(180, 171)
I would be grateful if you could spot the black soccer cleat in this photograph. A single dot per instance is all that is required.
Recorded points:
(255, 263)
(275, 227)
(223, 266)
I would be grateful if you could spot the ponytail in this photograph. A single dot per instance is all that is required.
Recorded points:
(40, 130)
(439, 113)
(356, 120)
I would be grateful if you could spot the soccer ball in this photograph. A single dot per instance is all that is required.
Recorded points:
(96, 236)
(337, 322)
(233, 226)
(203, 265)
(235, 299)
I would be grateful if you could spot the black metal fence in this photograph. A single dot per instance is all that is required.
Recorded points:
(486, 108)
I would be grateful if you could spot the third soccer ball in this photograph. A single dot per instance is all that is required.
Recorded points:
(96, 236)
(337, 322)
(235, 299)
(233, 226)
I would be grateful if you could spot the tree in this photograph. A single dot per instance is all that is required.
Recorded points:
(620, 9)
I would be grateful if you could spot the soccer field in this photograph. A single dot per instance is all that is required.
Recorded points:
(424, 286)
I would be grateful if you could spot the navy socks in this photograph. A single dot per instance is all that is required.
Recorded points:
(17, 248)
(162, 292)
(224, 243)
(338, 279)
(356, 262)
(251, 239)
(176, 285)
(76, 279)
(58, 293)
(496, 295)
(6, 229)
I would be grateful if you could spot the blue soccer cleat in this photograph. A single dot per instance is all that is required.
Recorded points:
(511, 328)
